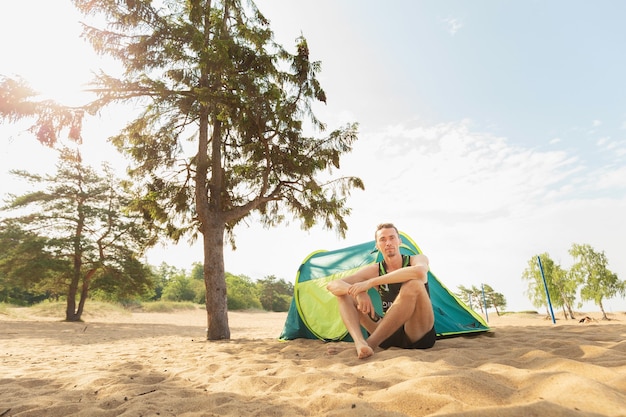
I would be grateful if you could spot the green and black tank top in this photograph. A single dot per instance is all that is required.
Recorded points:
(389, 292)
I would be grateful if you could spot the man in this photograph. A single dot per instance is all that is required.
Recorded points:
(402, 281)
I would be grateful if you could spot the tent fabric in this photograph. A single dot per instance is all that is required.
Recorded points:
(314, 312)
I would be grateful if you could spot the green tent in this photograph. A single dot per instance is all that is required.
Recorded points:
(314, 312)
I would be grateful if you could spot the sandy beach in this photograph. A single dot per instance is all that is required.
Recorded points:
(159, 364)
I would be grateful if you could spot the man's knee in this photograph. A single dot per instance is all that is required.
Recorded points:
(412, 288)
(415, 293)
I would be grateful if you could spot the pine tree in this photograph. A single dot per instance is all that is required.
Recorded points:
(84, 234)
(210, 72)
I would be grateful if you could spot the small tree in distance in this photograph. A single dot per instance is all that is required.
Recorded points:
(494, 299)
(556, 278)
(87, 239)
(589, 274)
(600, 283)
(275, 294)
(471, 297)
(242, 293)
(476, 297)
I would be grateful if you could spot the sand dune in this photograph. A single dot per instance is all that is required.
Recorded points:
(159, 364)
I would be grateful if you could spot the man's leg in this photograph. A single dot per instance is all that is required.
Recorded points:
(411, 309)
(423, 318)
(352, 319)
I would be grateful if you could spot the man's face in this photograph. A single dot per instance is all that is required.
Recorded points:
(388, 241)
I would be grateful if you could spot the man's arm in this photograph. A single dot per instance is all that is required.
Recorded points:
(418, 270)
(340, 286)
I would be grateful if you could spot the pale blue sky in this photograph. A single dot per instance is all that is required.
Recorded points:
(491, 131)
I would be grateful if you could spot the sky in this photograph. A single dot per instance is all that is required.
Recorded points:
(489, 131)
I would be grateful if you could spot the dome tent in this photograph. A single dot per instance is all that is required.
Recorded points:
(314, 312)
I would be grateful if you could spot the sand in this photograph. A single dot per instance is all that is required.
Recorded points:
(159, 364)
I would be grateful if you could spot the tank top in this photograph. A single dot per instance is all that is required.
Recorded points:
(389, 292)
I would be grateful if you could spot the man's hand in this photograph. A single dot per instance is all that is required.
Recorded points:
(359, 287)
(364, 304)
(358, 291)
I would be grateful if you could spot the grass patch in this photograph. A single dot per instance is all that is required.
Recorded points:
(92, 309)
(5, 309)
(531, 312)
(48, 309)
(167, 306)
(102, 308)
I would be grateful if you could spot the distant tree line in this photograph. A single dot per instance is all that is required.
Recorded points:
(166, 283)
(269, 293)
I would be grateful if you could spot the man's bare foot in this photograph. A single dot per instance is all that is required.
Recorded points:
(364, 351)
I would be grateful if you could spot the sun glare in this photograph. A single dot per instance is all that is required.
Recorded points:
(42, 45)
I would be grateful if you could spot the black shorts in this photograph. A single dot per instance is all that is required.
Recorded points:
(401, 340)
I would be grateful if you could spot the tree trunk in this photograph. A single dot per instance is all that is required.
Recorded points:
(70, 312)
(604, 316)
(83, 295)
(208, 196)
(215, 283)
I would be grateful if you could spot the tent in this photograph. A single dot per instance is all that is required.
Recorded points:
(314, 313)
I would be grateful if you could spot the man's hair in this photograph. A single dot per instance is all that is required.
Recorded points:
(385, 226)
